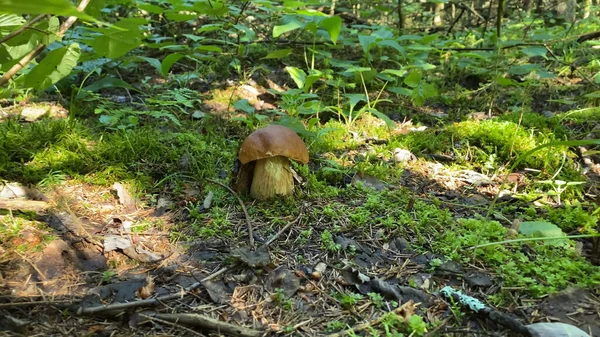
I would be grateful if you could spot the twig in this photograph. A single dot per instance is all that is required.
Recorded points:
(171, 323)
(24, 205)
(150, 301)
(284, 229)
(40, 47)
(248, 222)
(207, 323)
(32, 265)
(22, 28)
(59, 304)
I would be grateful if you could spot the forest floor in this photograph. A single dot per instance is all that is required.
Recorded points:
(131, 233)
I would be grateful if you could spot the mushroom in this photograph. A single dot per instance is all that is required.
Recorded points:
(270, 150)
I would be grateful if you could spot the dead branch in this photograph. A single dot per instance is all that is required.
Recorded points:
(208, 323)
(150, 301)
(24, 205)
(40, 47)
(248, 222)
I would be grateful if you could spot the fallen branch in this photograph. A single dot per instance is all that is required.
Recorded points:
(207, 323)
(40, 47)
(248, 222)
(23, 205)
(150, 301)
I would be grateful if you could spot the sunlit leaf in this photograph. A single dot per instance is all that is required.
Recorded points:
(56, 65)
(413, 79)
(298, 75)
(168, 62)
(279, 30)
(540, 229)
(118, 40)
(54, 7)
(333, 25)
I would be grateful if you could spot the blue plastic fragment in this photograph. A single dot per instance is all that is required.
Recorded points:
(473, 303)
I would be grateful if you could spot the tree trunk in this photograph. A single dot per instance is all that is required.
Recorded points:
(438, 10)
(401, 21)
(499, 17)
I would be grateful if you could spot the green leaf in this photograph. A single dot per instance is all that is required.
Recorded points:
(108, 82)
(178, 16)
(309, 81)
(505, 82)
(118, 40)
(395, 72)
(540, 229)
(210, 48)
(413, 79)
(400, 91)
(298, 75)
(288, 27)
(333, 25)
(56, 65)
(54, 7)
(392, 44)
(168, 62)
(209, 28)
(153, 62)
(354, 99)
(388, 121)
(523, 69)
(535, 51)
(244, 106)
(149, 8)
(211, 8)
(278, 54)
(367, 42)
(8, 22)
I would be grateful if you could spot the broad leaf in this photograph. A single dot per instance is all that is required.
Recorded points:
(367, 42)
(118, 40)
(298, 75)
(54, 7)
(540, 229)
(535, 51)
(279, 30)
(108, 82)
(56, 65)
(413, 79)
(278, 54)
(333, 25)
(153, 62)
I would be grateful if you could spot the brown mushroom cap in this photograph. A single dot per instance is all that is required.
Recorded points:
(274, 140)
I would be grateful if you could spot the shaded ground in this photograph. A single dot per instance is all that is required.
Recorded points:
(339, 259)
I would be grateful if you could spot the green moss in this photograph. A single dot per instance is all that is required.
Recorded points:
(551, 268)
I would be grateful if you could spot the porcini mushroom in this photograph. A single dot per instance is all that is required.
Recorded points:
(272, 148)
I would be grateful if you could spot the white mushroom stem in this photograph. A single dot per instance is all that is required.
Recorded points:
(272, 177)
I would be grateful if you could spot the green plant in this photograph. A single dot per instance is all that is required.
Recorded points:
(347, 301)
(560, 186)
(377, 299)
(328, 243)
(335, 326)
